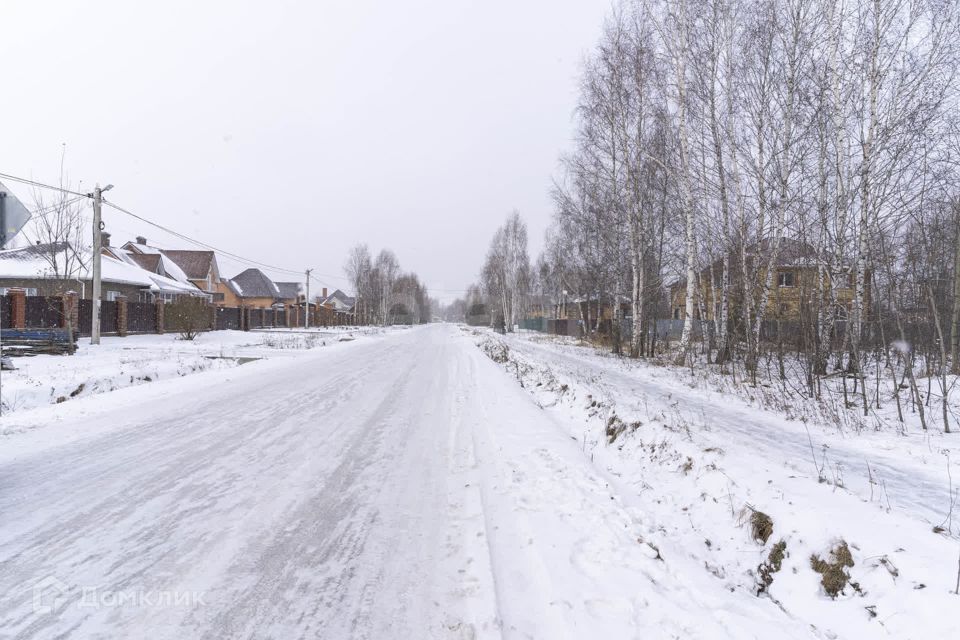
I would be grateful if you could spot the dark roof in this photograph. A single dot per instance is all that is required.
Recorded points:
(148, 261)
(254, 283)
(288, 290)
(30, 251)
(196, 264)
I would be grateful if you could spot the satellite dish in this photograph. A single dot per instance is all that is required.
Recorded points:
(13, 215)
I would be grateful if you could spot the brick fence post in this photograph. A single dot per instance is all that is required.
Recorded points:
(213, 317)
(18, 308)
(160, 305)
(122, 316)
(244, 319)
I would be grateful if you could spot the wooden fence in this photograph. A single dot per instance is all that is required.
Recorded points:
(121, 317)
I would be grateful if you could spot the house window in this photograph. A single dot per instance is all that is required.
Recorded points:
(785, 279)
(113, 295)
(28, 291)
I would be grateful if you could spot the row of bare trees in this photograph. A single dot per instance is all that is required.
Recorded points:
(385, 294)
(504, 293)
(505, 278)
(720, 143)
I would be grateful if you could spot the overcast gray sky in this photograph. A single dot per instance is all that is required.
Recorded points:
(288, 131)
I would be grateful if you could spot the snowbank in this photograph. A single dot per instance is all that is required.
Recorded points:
(697, 466)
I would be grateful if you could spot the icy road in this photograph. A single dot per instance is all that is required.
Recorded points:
(397, 487)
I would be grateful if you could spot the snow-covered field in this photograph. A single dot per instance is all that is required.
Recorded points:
(122, 362)
(412, 485)
(695, 465)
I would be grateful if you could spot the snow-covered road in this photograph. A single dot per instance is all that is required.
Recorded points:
(402, 487)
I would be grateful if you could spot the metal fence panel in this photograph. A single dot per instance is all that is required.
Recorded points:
(85, 311)
(42, 312)
(108, 317)
(141, 317)
(228, 318)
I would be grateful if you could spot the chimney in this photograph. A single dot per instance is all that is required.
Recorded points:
(324, 293)
(104, 238)
(141, 240)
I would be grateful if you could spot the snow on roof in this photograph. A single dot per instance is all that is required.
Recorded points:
(143, 248)
(179, 264)
(173, 270)
(32, 262)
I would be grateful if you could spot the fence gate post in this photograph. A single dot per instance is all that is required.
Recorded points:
(122, 316)
(160, 304)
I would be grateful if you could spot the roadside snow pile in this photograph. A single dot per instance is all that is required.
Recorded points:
(134, 360)
(853, 536)
(49, 379)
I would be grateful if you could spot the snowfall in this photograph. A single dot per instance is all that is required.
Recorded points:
(448, 482)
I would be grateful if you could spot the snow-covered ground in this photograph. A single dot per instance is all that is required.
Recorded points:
(121, 362)
(696, 464)
(411, 485)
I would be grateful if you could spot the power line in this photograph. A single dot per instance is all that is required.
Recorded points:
(42, 185)
(177, 234)
(199, 243)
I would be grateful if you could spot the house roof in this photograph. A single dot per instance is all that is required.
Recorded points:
(254, 283)
(148, 261)
(179, 264)
(340, 301)
(33, 262)
(155, 263)
(195, 264)
(289, 290)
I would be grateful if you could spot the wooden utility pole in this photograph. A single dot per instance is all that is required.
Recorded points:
(97, 228)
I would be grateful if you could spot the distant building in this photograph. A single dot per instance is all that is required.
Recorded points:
(291, 293)
(338, 301)
(251, 288)
(198, 267)
(792, 290)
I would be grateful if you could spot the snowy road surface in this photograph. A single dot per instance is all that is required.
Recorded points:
(398, 488)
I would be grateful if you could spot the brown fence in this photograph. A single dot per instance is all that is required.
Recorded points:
(141, 317)
(120, 317)
(85, 319)
(43, 313)
(228, 318)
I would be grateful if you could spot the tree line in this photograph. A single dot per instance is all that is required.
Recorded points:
(773, 176)
(384, 293)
